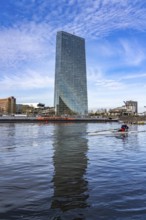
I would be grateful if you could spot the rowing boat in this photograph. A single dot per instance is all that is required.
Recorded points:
(113, 132)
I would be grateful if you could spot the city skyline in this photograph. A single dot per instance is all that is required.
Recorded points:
(70, 95)
(115, 35)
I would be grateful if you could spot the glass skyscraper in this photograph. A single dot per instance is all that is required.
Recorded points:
(70, 75)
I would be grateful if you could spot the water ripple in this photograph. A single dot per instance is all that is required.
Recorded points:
(58, 172)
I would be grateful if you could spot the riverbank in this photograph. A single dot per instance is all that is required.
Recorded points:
(24, 119)
(133, 119)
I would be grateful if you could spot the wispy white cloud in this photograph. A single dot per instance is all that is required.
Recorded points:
(125, 51)
(133, 76)
(28, 80)
(109, 84)
(27, 43)
(133, 52)
(43, 97)
(99, 18)
(98, 79)
(94, 74)
(33, 36)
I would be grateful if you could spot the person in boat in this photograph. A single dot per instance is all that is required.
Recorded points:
(124, 128)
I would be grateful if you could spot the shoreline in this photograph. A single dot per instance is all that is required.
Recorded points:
(55, 119)
(11, 119)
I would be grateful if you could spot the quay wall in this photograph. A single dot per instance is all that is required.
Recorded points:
(11, 119)
(24, 119)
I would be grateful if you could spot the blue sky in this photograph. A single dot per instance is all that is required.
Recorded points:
(115, 34)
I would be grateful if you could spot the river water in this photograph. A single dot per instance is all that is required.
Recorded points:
(60, 172)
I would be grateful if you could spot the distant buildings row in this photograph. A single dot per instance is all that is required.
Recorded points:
(129, 108)
(9, 106)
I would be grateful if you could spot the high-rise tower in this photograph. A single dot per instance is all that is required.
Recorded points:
(70, 75)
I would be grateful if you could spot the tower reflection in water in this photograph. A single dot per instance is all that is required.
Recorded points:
(70, 164)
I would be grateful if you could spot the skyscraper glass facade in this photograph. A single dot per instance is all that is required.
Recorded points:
(70, 75)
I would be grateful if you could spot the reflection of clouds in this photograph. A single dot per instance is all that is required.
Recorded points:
(70, 164)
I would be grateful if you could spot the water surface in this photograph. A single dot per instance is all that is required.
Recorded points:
(59, 171)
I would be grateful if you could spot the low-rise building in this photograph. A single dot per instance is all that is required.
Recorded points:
(117, 111)
(130, 108)
(29, 108)
(8, 105)
(48, 111)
